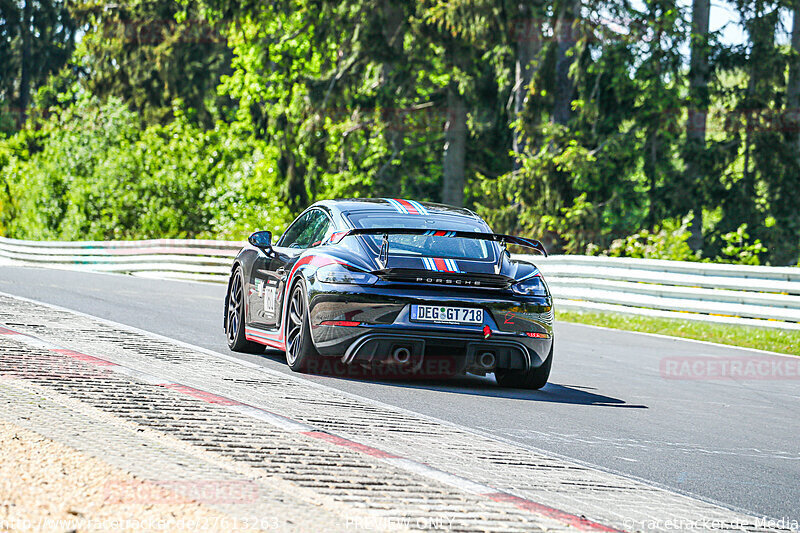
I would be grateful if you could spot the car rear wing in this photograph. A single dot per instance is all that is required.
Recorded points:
(385, 232)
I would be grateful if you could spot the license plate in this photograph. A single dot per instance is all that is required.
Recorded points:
(446, 315)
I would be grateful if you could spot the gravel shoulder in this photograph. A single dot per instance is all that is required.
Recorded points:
(47, 486)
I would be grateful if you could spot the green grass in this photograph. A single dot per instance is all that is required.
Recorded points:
(773, 340)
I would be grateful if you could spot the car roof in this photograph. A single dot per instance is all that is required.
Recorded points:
(394, 205)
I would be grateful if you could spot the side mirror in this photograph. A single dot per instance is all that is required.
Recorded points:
(262, 240)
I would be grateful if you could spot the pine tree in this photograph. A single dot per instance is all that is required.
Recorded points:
(566, 25)
(150, 53)
(36, 40)
(697, 112)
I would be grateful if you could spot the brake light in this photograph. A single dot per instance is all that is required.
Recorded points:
(537, 335)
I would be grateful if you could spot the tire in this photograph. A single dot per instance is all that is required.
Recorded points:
(234, 316)
(535, 378)
(301, 355)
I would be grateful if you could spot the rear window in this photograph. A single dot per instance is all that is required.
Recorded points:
(424, 245)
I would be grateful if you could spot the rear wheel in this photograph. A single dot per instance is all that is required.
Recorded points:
(535, 378)
(234, 316)
(301, 355)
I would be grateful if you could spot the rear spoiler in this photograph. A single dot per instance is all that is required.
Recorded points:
(496, 237)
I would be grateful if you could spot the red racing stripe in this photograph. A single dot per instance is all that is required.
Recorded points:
(441, 266)
(271, 340)
(411, 209)
(276, 340)
(314, 260)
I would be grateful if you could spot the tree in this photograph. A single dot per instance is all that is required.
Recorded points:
(393, 83)
(761, 190)
(657, 107)
(565, 36)
(528, 45)
(550, 118)
(346, 96)
(455, 137)
(697, 111)
(36, 40)
(150, 53)
(25, 60)
(793, 85)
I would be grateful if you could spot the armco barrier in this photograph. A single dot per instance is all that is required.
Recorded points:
(747, 295)
(762, 296)
(187, 259)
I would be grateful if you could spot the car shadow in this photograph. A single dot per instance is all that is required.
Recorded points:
(550, 393)
(467, 384)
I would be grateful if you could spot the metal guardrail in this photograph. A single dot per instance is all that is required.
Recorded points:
(747, 295)
(186, 259)
(737, 294)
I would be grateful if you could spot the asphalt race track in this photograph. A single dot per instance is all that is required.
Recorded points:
(733, 442)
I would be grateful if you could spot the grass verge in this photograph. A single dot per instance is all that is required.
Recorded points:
(773, 340)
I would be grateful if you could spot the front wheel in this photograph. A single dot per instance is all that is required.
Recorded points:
(301, 355)
(234, 316)
(535, 378)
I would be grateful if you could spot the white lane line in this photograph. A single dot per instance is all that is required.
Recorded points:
(440, 475)
(273, 419)
(150, 379)
(33, 342)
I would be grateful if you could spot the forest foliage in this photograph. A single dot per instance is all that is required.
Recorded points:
(617, 128)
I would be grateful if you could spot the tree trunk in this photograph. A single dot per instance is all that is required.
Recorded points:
(25, 69)
(455, 147)
(565, 39)
(762, 36)
(528, 40)
(698, 110)
(393, 133)
(793, 87)
(652, 154)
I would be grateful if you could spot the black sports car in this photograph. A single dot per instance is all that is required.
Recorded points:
(393, 283)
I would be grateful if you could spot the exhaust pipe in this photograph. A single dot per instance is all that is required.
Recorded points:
(487, 360)
(401, 355)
